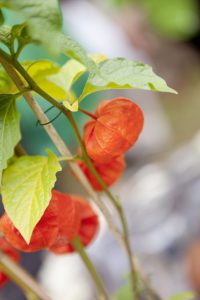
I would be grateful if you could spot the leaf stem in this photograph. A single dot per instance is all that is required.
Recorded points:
(22, 92)
(102, 294)
(87, 113)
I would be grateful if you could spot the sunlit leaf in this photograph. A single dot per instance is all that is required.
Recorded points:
(39, 71)
(26, 190)
(121, 73)
(9, 129)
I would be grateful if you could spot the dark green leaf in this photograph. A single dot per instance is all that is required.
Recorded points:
(1, 17)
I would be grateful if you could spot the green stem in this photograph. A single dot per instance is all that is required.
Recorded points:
(87, 113)
(115, 202)
(102, 294)
(21, 278)
(22, 92)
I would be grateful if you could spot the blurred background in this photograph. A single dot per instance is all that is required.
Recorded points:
(160, 189)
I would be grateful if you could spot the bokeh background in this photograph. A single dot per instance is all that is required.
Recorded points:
(160, 189)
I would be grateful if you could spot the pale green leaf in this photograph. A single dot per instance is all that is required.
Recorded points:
(5, 35)
(72, 102)
(9, 34)
(6, 84)
(9, 129)
(67, 74)
(121, 73)
(42, 17)
(98, 57)
(43, 20)
(41, 71)
(183, 296)
(71, 48)
(123, 293)
(26, 190)
(72, 70)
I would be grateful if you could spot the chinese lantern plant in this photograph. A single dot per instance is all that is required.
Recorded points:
(36, 215)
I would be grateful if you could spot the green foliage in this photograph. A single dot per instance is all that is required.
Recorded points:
(73, 49)
(26, 190)
(66, 77)
(183, 296)
(28, 181)
(39, 71)
(177, 19)
(43, 19)
(1, 17)
(121, 73)
(183, 21)
(9, 129)
(6, 84)
(124, 293)
(9, 34)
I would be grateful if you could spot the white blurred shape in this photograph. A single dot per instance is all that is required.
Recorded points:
(65, 277)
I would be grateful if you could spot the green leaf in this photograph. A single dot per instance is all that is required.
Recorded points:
(42, 17)
(183, 296)
(121, 73)
(40, 71)
(1, 17)
(44, 24)
(9, 34)
(71, 71)
(5, 35)
(184, 17)
(9, 129)
(6, 84)
(68, 74)
(73, 49)
(124, 293)
(26, 190)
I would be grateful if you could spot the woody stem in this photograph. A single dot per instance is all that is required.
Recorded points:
(102, 295)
